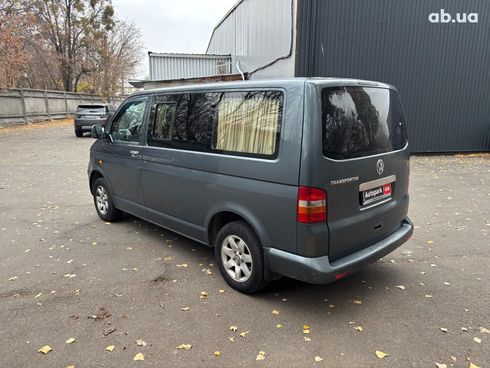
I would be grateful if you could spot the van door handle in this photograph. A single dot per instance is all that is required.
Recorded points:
(134, 153)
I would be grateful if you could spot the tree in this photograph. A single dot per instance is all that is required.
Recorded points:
(71, 27)
(74, 45)
(14, 57)
(117, 56)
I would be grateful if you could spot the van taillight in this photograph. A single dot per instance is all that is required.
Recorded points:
(312, 205)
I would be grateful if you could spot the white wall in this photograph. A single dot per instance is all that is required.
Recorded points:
(256, 33)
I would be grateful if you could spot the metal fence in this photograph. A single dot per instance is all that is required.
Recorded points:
(26, 105)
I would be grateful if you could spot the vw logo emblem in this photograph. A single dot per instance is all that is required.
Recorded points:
(380, 166)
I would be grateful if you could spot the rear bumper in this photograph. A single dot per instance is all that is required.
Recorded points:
(321, 271)
(88, 124)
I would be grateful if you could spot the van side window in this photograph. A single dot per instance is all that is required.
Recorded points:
(164, 121)
(241, 123)
(184, 121)
(249, 122)
(127, 124)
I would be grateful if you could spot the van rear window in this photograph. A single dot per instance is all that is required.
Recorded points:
(361, 121)
(92, 108)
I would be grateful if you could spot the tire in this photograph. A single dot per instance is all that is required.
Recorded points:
(79, 133)
(104, 205)
(237, 247)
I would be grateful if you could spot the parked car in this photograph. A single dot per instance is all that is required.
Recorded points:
(306, 178)
(87, 116)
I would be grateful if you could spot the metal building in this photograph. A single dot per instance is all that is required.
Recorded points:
(177, 66)
(167, 70)
(437, 53)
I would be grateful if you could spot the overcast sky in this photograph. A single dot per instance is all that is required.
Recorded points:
(182, 26)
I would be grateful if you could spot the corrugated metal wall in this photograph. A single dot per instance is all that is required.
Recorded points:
(441, 70)
(255, 33)
(177, 66)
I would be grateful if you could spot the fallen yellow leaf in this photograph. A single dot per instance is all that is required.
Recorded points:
(139, 357)
(358, 328)
(110, 348)
(45, 349)
(275, 311)
(307, 339)
(279, 325)
(184, 346)
(140, 342)
(318, 359)
(203, 295)
(233, 328)
(221, 291)
(357, 301)
(443, 329)
(306, 332)
(473, 365)
(217, 353)
(484, 330)
(244, 333)
(70, 366)
(477, 340)
(306, 327)
(70, 340)
(183, 265)
(380, 354)
(185, 309)
(441, 365)
(401, 287)
(260, 355)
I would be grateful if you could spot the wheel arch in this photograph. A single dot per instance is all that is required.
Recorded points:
(223, 215)
(96, 174)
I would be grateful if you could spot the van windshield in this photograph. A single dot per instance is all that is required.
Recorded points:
(361, 121)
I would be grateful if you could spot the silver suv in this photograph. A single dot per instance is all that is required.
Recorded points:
(87, 116)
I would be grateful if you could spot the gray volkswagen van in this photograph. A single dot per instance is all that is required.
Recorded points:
(306, 178)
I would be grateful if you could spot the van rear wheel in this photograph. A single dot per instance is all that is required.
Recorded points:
(240, 258)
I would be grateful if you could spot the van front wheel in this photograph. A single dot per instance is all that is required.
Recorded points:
(240, 258)
(104, 204)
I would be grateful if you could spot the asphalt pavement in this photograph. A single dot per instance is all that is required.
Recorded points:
(84, 287)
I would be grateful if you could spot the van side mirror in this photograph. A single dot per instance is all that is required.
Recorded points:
(98, 132)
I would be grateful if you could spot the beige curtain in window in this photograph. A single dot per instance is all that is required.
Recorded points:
(247, 125)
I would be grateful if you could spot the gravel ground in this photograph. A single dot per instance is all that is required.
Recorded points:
(66, 274)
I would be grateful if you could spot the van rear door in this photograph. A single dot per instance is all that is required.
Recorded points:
(355, 149)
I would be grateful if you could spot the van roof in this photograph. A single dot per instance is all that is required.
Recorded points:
(268, 83)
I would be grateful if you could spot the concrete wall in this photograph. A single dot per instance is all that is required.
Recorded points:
(25, 105)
